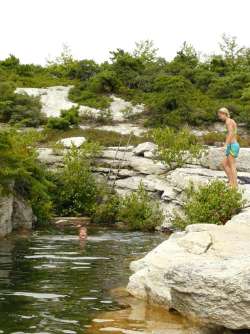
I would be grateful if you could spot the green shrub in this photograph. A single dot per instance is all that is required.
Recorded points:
(19, 166)
(76, 189)
(213, 137)
(58, 123)
(82, 94)
(214, 203)
(176, 148)
(107, 206)
(139, 212)
(71, 115)
(102, 137)
(68, 117)
(19, 108)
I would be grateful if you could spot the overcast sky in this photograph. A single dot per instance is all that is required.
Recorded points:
(36, 29)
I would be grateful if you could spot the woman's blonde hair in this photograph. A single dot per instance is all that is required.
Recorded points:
(225, 111)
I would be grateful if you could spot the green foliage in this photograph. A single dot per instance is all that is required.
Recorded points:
(102, 137)
(68, 118)
(19, 108)
(139, 212)
(82, 94)
(214, 203)
(58, 123)
(71, 115)
(213, 137)
(76, 189)
(146, 51)
(21, 172)
(185, 90)
(107, 205)
(176, 148)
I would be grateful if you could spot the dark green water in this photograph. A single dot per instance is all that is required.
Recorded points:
(52, 283)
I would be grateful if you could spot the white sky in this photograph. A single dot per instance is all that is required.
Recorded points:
(35, 29)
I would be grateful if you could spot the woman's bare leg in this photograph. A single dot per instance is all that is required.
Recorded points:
(232, 165)
(227, 169)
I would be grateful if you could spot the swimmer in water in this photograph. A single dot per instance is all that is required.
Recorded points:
(82, 232)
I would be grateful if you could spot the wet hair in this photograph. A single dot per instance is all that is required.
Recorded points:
(225, 111)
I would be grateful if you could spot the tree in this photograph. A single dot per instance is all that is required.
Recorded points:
(64, 64)
(146, 51)
(231, 50)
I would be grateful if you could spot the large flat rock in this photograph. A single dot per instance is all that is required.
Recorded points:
(215, 155)
(202, 272)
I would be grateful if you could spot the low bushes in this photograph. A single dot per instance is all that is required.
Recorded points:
(176, 148)
(68, 118)
(76, 188)
(139, 212)
(102, 137)
(19, 108)
(77, 192)
(19, 166)
(214, 203)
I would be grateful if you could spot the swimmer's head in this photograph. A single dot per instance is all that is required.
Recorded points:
(223, 113)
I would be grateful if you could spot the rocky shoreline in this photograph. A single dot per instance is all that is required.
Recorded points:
(202, 273)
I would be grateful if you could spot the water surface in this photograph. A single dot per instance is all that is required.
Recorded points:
(52, 283)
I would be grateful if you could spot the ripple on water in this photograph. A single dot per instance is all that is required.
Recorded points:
(50, 256)
(38, 295)
(63, 283)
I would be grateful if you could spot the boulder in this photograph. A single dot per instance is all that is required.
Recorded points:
(6, 210)
(202, 272)
(151, 183)
(48, 157)
(214, 156)
(15, 213)
(147, 166)
(22, 216)
(144, 147)
(128, 159)
(72, 141)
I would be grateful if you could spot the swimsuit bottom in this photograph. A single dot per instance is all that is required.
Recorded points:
(233, 149)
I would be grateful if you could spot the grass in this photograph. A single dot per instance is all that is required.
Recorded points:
(102, 137)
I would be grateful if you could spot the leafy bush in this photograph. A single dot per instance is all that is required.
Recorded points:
(82, 94)
(19, 166)
(68, 117)
(107, 206)
(71, 115)
(58, 123)
(176, 148)
(76, 189)
(213, 137)
(19, 108)
(214, 203)
(139, 212)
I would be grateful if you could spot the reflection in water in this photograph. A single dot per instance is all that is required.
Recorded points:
(51, 282)
(140, 318)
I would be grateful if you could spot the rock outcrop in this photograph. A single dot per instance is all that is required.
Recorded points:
(15, 213)
(72, 141)
(202, 272)
(54, 99)
(127, 167)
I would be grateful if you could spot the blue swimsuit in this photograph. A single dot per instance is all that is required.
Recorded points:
(233, 149)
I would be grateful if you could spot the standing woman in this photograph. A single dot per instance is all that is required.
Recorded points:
(232, 147)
